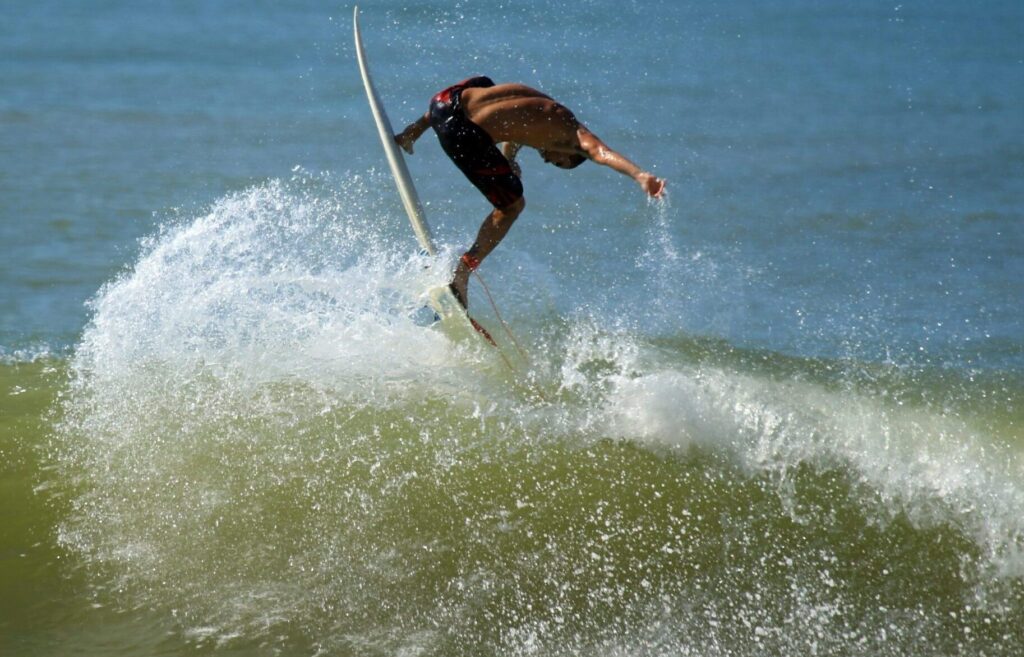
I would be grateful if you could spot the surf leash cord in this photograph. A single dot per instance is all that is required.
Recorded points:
(497, 313)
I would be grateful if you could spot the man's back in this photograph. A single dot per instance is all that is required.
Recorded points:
(520, 114)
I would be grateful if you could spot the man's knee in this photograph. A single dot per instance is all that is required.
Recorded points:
(512, 210)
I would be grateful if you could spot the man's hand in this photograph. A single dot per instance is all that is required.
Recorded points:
(412, 132)
(654, 187)
(509, 150)
(405, 140)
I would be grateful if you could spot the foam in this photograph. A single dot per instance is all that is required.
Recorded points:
(923, 461)
(253, 401)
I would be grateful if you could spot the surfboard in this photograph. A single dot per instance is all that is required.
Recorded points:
(396, 161)
(441, 299)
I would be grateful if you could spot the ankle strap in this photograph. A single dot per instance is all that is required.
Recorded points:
(472, 262)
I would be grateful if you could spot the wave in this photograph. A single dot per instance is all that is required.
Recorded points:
(259, 437)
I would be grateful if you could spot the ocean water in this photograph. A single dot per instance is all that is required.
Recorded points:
(780, 412)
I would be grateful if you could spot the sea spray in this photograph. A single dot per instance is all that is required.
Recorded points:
(260, 442)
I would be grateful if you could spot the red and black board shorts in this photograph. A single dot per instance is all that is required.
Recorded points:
(471, 148)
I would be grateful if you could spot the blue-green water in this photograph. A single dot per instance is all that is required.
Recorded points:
(778, 413)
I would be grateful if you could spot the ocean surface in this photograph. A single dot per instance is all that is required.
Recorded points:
(780, 412)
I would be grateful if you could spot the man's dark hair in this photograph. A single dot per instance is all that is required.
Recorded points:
(574, 161)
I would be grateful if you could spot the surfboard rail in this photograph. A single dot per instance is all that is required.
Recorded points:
(399, 170)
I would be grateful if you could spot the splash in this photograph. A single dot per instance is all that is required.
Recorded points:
(260, 441)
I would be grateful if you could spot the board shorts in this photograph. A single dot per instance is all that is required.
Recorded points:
(471, 148)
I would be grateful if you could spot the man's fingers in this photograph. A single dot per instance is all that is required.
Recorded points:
(652, 185)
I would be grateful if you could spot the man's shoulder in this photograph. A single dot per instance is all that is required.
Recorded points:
(507, 90)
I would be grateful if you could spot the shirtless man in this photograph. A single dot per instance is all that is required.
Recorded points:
(473, 116)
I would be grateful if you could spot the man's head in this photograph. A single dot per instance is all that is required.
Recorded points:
(563, 160)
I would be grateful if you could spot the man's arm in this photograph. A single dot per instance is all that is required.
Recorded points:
(412, 132)
(509, 150)
(601, 153)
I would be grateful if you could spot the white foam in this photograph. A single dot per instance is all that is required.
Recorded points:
(255, 356)
(272, 284)
(923, 461)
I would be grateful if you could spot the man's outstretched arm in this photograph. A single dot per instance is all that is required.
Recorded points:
(412, 132)
(601, 153)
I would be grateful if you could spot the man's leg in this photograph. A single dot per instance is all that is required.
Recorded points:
(492, 231)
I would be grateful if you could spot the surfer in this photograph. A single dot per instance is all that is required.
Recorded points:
(472, 117)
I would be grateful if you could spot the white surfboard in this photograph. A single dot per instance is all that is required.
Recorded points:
(396, 161)
(440, 299)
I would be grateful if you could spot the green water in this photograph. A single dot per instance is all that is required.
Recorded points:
(281, 520)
